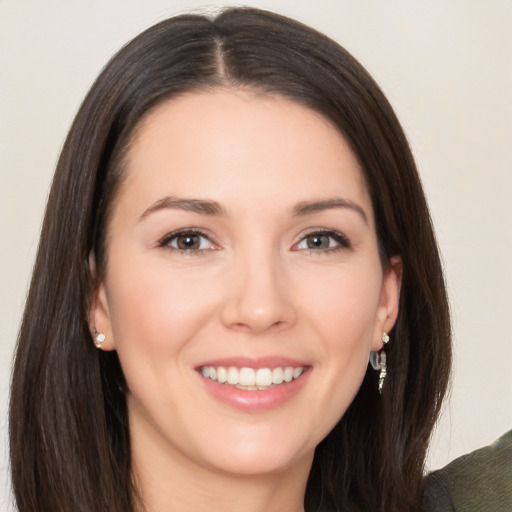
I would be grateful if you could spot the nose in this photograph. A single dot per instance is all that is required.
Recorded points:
(258, 297)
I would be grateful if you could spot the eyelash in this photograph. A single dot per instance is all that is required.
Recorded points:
(342, 242)
(166, 241)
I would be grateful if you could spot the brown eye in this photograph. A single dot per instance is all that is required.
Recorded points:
(187, 241)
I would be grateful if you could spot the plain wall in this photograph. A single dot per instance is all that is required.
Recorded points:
(446, 67)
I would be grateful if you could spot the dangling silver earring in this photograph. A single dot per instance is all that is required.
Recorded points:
(99, 337)
(378, 361)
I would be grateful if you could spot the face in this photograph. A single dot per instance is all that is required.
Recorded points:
(243, 290)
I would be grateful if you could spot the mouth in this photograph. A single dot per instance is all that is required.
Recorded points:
(254, 385)
(252, 379)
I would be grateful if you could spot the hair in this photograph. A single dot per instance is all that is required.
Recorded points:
(69, 433)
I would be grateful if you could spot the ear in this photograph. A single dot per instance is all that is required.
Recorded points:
(389, 300)
(99, 313)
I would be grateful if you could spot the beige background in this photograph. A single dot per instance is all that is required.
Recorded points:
(446, 66)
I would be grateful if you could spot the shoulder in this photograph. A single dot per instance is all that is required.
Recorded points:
(480, 480)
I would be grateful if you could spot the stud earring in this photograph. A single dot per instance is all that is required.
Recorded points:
(99, 337)
(378, 361)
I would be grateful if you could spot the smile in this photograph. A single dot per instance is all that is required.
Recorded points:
(251, 379)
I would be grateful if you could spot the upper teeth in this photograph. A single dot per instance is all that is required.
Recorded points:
(250, 377)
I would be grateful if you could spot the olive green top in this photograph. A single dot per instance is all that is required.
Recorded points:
(480, 481)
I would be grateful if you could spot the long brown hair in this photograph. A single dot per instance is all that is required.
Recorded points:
(69, 434)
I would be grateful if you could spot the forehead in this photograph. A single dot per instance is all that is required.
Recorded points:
(232, 143)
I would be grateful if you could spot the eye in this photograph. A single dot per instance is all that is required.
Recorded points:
(187, 240)
(323, 241)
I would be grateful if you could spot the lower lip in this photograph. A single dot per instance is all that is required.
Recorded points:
(256, 400)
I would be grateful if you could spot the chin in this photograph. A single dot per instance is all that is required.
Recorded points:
(263, 464)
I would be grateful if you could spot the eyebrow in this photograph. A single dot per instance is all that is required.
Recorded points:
(208, 207)
(307, 207)
(201, 206)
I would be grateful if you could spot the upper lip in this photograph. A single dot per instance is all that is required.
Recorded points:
(254, 362)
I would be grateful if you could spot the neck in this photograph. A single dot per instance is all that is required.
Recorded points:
(220, 494)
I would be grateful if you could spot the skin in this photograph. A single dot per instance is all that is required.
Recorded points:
(257, 286)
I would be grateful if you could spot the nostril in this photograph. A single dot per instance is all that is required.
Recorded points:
(258, 303)
(257, 327)
(240, 326)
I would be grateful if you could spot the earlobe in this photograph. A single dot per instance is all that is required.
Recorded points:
(99, 337)
(99, 314)
(389, 300)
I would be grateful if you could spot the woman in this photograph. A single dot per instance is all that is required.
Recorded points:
(236, 223)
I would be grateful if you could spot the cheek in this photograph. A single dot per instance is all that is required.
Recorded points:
(155, 318)
(157, 308)
(342, 320)
(344, 305)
